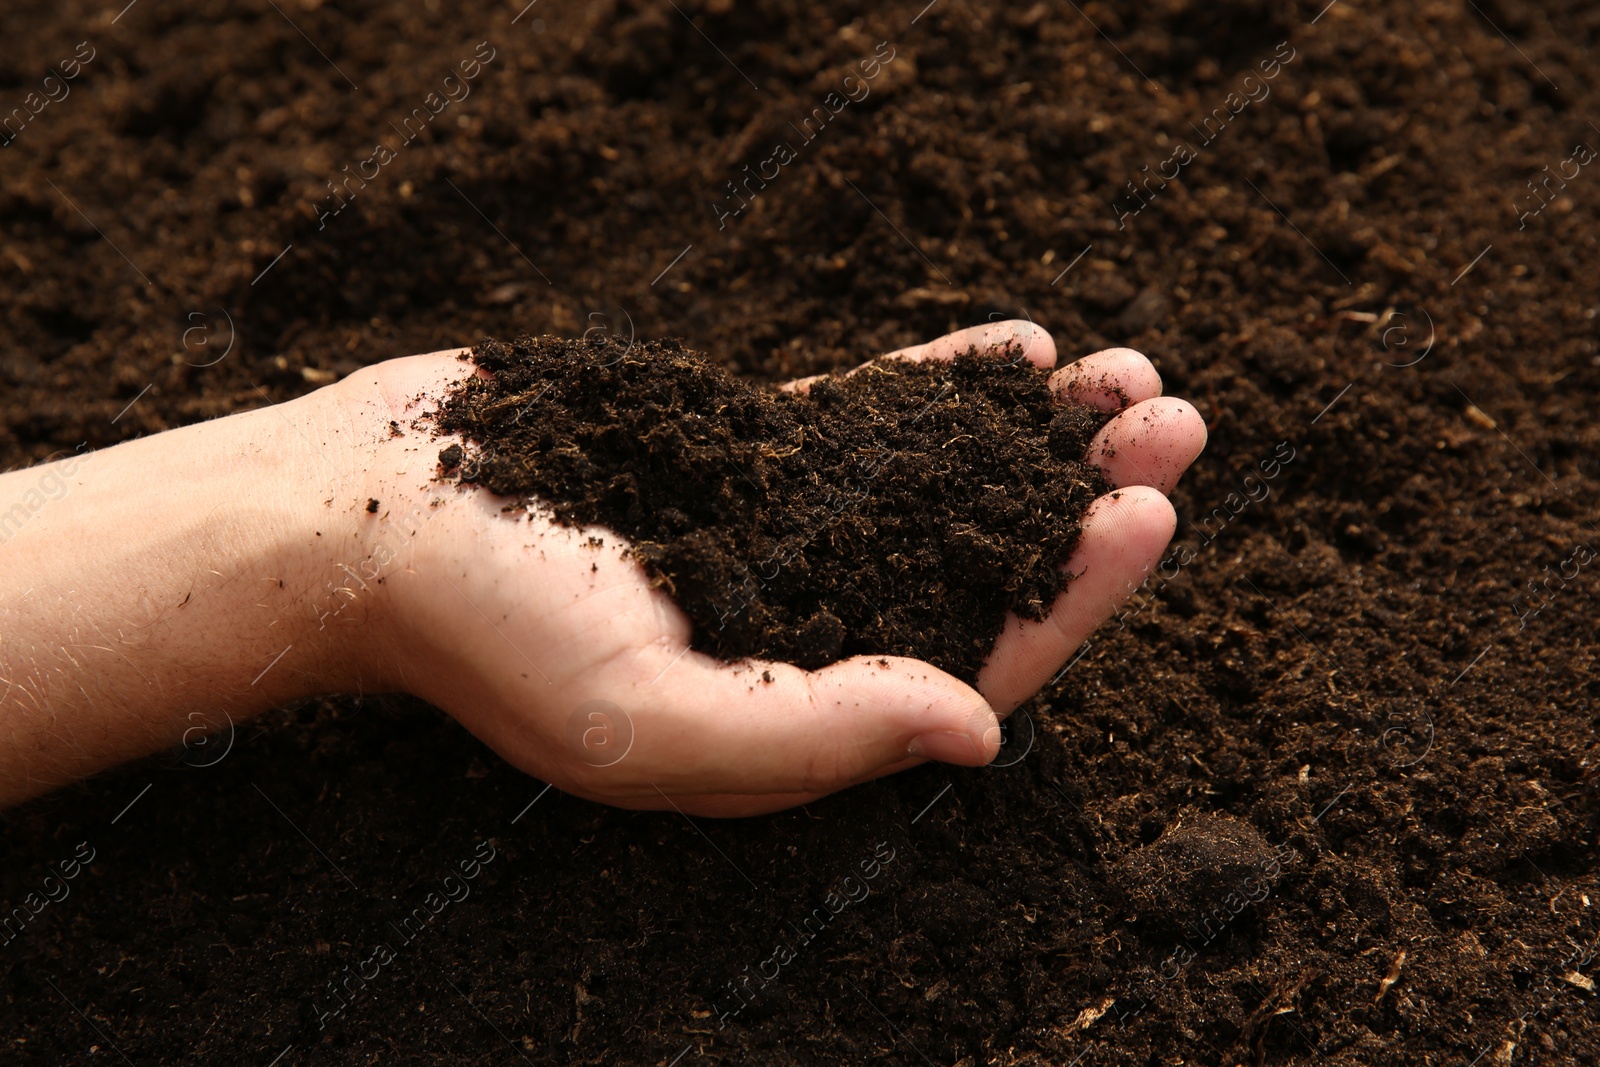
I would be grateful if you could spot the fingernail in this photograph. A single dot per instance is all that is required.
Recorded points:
(946, 746)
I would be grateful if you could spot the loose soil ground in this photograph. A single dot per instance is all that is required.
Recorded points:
(1325, 793)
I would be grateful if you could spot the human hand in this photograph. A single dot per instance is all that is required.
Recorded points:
(549, 644)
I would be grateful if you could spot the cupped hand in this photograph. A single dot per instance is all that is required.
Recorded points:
(549, 644)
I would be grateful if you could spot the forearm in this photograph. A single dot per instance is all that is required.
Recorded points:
(171, 581)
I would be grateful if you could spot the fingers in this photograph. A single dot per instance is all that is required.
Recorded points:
(1033, 343)
(1124, 535)
(719, 731)
(1110, 380)
(769, 736)
(1152, 443)
(856, 720)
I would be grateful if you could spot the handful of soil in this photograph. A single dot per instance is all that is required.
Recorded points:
(901, 510)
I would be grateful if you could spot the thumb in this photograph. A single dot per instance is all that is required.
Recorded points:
(774, 728)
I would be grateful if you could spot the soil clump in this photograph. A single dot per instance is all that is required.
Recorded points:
(899, 510)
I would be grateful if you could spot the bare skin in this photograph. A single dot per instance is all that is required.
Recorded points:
(227, 568)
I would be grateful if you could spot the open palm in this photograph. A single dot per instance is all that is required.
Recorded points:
(549, 644)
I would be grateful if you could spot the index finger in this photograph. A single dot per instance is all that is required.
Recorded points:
(1032, 341)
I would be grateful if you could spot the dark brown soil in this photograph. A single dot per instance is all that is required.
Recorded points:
(899, 511)
(1375, 273)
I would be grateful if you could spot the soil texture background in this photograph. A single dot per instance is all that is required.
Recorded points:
(1324, 793)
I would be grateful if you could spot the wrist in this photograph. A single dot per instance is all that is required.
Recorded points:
(160, 586)
(208, 573)
(382, 517)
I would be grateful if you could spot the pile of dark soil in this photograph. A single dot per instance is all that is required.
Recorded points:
(1380, 261)
(901, 510)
